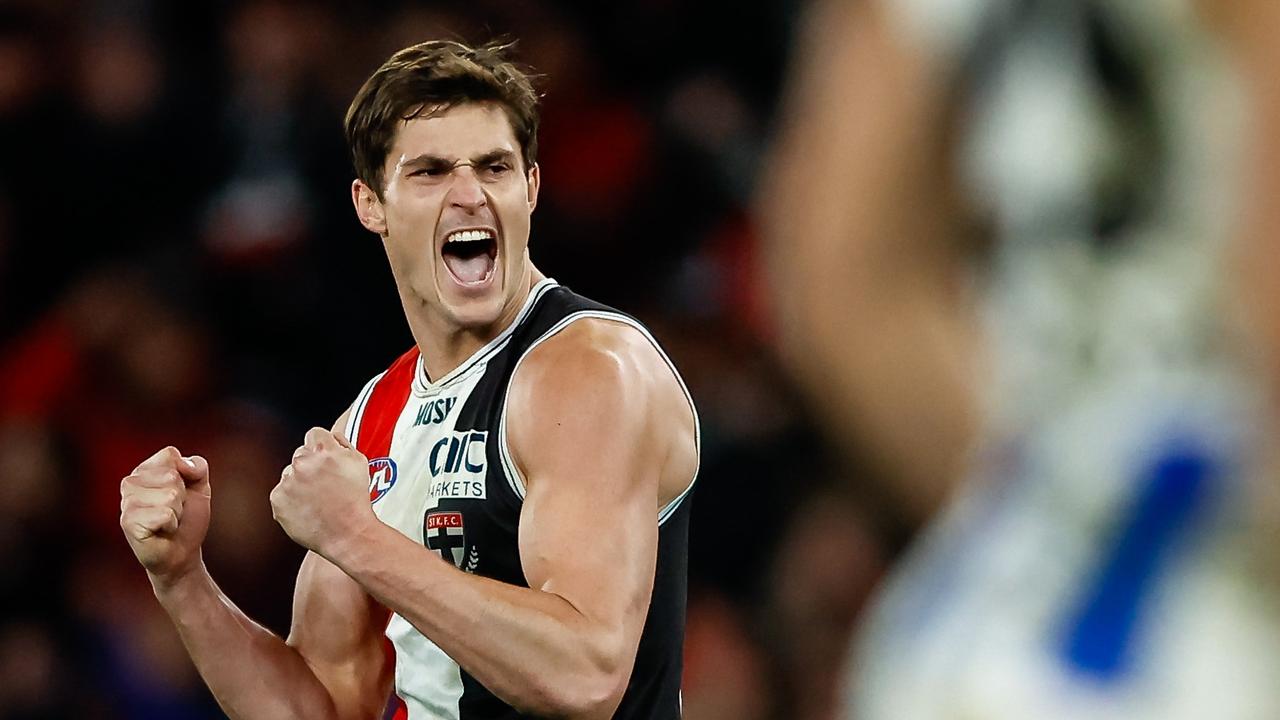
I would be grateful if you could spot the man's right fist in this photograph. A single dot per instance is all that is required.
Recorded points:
(164, 512)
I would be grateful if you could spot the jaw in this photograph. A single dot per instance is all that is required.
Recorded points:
(450, 324)
(452, 304)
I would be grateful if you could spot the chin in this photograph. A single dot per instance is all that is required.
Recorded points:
(476, 314)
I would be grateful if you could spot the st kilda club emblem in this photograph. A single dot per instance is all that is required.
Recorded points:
(443, 533)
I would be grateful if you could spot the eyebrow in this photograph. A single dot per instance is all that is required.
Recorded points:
(494, 156)
(439, 161)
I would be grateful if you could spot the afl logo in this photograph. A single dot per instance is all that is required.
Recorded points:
(382, 475)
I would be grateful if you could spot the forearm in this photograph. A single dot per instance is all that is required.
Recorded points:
(864, 254)
(1251, 41)
(251, 671)
(531, 648)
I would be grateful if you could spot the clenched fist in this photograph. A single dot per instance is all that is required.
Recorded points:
(164, 512)
(323, 495)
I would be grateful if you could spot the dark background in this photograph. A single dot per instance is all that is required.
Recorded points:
(180, 264)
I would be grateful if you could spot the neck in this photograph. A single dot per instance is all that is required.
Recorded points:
(445, 346)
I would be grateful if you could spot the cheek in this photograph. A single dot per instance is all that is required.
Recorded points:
(515, 211)
(414, 205)
(412, 225)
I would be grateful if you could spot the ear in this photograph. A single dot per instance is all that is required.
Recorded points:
(534, 180)
(368, 208)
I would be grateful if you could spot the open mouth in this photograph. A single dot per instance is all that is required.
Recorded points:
(470, 255)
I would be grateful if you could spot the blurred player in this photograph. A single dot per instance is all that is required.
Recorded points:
(503, 504)
(997, 231)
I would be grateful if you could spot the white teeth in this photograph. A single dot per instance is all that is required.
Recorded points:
(469, 236)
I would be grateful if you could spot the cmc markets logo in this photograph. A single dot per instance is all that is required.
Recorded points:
(382, 475)
(457, 464)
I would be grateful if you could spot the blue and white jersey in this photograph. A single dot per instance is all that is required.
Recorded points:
(1104, 559)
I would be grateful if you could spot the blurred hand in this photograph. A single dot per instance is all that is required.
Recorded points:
(164, 512)
(323, 495)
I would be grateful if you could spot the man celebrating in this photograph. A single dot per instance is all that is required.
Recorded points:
(503, 504)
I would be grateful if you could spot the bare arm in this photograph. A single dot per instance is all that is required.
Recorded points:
(584, 431)
(863, 253)
(331, 667)
(1248, 31)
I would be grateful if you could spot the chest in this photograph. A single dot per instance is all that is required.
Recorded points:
(442, 482)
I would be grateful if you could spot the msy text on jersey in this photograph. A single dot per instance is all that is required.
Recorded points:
(434, 411)
(457, 465)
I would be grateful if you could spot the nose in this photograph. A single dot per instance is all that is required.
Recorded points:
(466, 192)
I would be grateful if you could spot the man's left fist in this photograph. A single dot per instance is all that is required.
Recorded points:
(323, 495)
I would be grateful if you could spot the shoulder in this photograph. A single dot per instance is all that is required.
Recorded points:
(603, 377)
(606, 356)
(594, 350)
(591, 365)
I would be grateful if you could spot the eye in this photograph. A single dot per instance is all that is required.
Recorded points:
(431, 171)
(497, 169)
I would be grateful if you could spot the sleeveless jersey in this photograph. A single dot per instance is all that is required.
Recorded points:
(1101, 560)
(442, 474)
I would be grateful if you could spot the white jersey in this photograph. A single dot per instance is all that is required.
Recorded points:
(1102, 561)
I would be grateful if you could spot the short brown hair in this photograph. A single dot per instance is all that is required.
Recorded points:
(429, 78)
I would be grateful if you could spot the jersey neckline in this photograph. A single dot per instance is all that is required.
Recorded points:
(422, 384)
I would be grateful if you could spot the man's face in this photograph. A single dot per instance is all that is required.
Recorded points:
(455, 214)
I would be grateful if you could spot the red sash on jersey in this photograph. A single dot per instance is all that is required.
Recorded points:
(378, 420)
(373, 438)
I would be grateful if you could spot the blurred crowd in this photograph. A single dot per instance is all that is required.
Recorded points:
(180, 264)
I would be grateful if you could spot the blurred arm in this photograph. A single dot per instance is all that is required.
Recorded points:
(1250, 31)
(865, 267)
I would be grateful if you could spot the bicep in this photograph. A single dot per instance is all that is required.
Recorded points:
(850, 209)
(338, 631)
(582, 434)
(594, 543)
(851, 194)
(859, 215)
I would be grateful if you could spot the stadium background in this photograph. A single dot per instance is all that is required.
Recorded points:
(179, 263)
